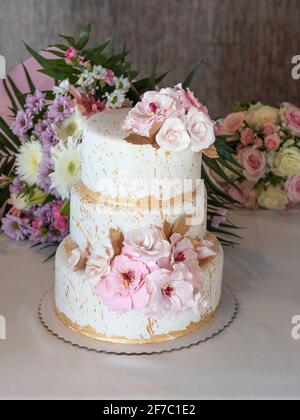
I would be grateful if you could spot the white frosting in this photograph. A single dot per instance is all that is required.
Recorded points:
(91, 220)
(113, 166)
(76, 299)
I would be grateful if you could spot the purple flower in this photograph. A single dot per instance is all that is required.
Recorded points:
(35, 103)
(22, 124)
(16, 185)
(40, 126)
(15, 227)
(44, 180)
(48, 137)
(60, 109)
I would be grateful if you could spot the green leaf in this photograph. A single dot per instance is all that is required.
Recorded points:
(189, 78)
(30, 83)
(96, 49)
(65, 210)
(214, 165)
(215, 190)
(70, 39)
(14, 106)
(7, 131)
(18, 94)
(84, 37)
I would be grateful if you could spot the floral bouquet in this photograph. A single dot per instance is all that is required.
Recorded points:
(40, 145)
(266, 141)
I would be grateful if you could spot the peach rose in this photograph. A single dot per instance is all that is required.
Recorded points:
(290, 115)
(272, 142)
(232, 123)
(292, 188)
(254, 163)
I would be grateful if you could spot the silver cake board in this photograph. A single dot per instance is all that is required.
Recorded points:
(224, 317)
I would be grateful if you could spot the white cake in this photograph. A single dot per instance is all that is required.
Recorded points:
(123, 194)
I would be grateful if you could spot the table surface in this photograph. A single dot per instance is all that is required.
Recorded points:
(255, 358)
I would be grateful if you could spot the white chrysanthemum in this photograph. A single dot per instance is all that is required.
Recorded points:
(115, 99)
(99, 72)
(86, 79)
(122, 83)
(66, 158)
(71, 127)
(62, 89)
(28, 161)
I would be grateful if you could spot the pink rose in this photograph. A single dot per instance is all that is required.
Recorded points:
(290, 115)
(173, 135)
(124, 288)
(185, 97)
(69, 54)
(254, 163)
(292, 188)
(272, 142)
(247, 136)
(200, 129)
(171, 292)
(270, 128)
(258, 143)
(232, 123)
(152, 110)
(245, 195)
(147, 243)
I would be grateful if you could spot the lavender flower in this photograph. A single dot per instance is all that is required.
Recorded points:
(60, 109)
(40, 126)
(44, 180)
(16, 185)
(35, 103)
(48, 137)
(22, 124)
(15, 227)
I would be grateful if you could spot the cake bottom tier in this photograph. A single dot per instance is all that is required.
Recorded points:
(79, 307)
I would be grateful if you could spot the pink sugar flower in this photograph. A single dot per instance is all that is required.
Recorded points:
(146, 243)
(171, 292)
(124, 288)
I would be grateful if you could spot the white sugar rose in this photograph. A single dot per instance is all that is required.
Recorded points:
(273, 198)
(173, 135)
(200, 129)
(286, 162)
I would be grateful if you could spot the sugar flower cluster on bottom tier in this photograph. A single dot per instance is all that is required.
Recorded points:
(146, 270)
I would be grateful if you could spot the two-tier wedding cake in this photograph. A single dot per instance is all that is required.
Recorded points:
(138, 266)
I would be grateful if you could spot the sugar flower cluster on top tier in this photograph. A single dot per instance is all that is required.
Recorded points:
(266, 141)
(173, 118)
(147, 269)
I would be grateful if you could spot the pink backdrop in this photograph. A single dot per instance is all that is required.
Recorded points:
(17, 74)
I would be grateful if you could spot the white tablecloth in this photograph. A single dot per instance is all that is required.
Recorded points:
(255, 358)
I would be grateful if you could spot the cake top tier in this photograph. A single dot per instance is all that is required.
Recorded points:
(117, 168)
